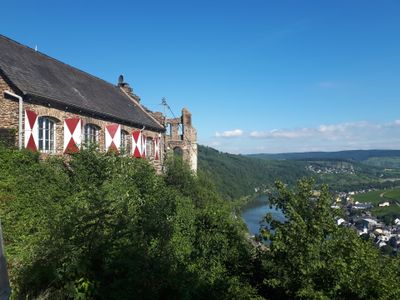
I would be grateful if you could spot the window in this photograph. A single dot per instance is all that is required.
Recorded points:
(125, 145)
(168, 130)
(91, 134)
(149, 147)
(181, 131)
(46, 135)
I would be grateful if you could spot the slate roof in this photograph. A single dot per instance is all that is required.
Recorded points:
(39, 76)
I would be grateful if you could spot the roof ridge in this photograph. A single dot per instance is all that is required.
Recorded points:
(58, 86)
(141, 107)
(57, 60)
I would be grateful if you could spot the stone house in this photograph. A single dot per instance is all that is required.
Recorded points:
(51, 107)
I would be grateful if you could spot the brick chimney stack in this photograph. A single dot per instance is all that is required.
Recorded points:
(125, 86)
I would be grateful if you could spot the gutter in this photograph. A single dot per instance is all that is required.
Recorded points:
(88, 111)
(20, 115)
(141, 107)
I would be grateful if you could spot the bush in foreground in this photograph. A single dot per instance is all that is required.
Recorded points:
(107, 227)
(310, 257)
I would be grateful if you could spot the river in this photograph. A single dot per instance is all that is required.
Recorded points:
(254, 212)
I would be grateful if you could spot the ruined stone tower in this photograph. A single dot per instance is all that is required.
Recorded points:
(181, 138)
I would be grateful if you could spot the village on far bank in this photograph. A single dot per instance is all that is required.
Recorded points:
(374, 214)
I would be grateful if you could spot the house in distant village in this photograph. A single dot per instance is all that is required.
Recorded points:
(51, 107)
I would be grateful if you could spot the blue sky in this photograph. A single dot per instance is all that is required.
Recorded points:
(258, 76)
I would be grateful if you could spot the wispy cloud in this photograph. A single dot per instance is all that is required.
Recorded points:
(278, 133)
(324, 137)
(350, 130)
(230, 133)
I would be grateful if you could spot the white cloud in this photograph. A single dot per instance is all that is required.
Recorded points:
(330, 131)
(324, 137)
(230, 133)
(277, 133)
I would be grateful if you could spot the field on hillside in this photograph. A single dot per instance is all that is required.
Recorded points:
(373, 197)
(387, 213)
(390, 212)
(393, 194)
(380, 196)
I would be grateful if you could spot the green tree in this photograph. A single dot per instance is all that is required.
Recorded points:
(309, 257)
(221, 256)
(99, 226)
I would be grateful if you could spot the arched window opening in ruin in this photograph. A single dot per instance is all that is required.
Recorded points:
(181, 131)
(168, 130)
(178, 151)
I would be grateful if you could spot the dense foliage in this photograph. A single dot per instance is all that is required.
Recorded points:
(98, 226)
(237, 175)
(310, 257)
(107, 227)
(352, 155)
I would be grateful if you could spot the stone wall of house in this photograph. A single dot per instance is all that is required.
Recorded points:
(8, 115)
(181, 138)
(9, 120)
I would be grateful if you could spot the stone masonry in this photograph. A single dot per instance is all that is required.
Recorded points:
(9, 121)
(182, 138)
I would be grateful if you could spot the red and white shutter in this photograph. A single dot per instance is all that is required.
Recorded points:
(137, 143)
(31, 130)
(144, 146)
(157, 148)
(113, 137)
(72, 135)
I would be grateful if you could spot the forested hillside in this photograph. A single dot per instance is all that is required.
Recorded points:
(384, 162)
(353, 155)
(239, 175)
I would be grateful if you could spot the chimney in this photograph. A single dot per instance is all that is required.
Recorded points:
(125, 86)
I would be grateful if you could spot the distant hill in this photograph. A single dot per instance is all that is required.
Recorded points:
(352, 155)
(241, 175)
(384, 162)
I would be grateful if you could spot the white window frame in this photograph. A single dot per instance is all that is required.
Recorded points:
(150, 147)
(125, 146)
(91, 133)
(47, 134)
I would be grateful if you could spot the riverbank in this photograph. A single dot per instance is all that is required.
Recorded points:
(254, 212)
